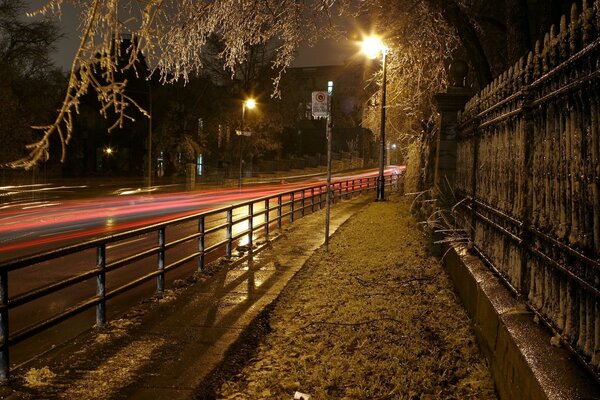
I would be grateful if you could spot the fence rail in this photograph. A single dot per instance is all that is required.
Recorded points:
(228, 225)
(528, 166)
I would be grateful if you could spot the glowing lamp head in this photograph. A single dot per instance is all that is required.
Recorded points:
(250, 104)
(372, 46)
(108, 150)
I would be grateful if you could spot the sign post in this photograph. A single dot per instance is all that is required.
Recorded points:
(321, 108)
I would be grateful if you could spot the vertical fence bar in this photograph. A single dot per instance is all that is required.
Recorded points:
(201, 242)
(312, 199)
(229, 232)
(303, 202)
(101, 284)
(250, 223)
(292, 207)
(333, 192)
(267, 217)
(474, 167)
(320, 197)
(160, 278)
(527, 193)
(279, 212)
(4, 350)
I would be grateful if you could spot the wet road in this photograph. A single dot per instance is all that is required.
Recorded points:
(33, 227)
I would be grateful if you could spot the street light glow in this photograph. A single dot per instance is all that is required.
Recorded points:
(372, 46)
(108, 150)
(250, 103)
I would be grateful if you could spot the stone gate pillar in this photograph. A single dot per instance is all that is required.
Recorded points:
(448, 105)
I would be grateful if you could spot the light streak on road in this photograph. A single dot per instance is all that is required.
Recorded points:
(37, 224)
(57, 233)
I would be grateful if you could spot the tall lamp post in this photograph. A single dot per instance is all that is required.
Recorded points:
(372, 47)
(247, 104)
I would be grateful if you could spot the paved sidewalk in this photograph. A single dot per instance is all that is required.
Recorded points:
(164, 348)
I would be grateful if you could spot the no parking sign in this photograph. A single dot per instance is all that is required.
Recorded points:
(319, 105)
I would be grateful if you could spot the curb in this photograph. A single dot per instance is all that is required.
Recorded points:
(523, 363)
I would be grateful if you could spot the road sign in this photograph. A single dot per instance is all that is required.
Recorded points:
(319, 105)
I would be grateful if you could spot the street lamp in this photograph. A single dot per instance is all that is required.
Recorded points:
(372, 46)
(247, 104)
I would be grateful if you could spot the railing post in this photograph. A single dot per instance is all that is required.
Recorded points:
(303, 202)
(333, 192)
(312, 199)
(4, 350)
(320, 197)
(229, 232)
(267, 210)
(250, 223)
(279, 212)
(101, 284)
(353, 187)
(201, 242)
(292, 207)
(160, 278)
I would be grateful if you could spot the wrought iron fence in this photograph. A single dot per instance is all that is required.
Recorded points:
(214, 232)
(528, 167)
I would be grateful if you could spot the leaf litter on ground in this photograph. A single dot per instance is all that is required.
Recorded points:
(376, 317)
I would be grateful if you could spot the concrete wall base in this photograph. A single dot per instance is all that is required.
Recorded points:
(523, 363)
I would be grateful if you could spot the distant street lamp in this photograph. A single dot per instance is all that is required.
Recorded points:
(108, 153)
(372, 47)
(247, 104)
(390, 159)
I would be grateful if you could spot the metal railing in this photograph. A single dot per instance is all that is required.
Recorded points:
(215, 233)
